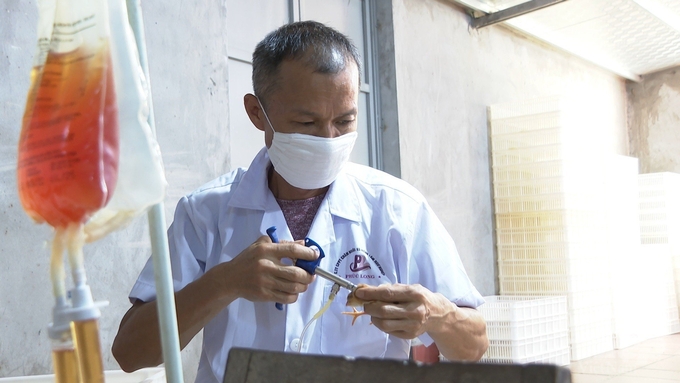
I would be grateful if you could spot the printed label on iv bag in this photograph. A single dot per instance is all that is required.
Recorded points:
(68, 147)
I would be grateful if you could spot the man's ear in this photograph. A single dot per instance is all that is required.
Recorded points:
(254, 111)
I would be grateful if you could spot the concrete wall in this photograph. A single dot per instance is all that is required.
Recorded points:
(654, 121)
(447, 75)
(187, 54)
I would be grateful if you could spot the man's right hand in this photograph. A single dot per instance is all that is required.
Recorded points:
(260, 273)
(257, 274)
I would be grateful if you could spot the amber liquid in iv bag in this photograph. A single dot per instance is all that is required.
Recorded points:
(68, 148)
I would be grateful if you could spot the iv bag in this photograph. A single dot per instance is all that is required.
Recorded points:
(68, 147)
(141, 179)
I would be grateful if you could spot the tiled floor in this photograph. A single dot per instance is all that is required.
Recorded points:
(652, 361)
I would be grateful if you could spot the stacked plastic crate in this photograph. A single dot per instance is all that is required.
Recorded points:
(548, 194)
(660, 236)
(628, 325)
(526, 330)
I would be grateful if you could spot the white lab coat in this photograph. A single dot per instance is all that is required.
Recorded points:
(373, 228)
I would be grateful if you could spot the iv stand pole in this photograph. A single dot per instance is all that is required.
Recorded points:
(167, 317)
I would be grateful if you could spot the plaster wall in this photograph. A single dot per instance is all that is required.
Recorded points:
(446, 76)
(654, 121)
(188, 68)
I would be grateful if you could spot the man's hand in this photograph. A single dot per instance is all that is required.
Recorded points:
(257, 274)
(404, 311)
(260, 273)
(408, 311)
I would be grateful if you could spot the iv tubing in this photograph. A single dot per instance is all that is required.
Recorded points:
(334, 292)
(64, 357)
(84, 313)
(57, 271)
(167, 318)
(75, 243)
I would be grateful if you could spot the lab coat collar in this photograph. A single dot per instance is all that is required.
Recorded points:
(343, 197)
(253, 191)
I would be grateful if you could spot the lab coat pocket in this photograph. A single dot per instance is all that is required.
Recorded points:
(339, 337)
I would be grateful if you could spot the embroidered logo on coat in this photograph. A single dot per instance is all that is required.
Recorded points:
(358, 264)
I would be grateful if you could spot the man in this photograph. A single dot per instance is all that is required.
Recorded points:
(373, 228)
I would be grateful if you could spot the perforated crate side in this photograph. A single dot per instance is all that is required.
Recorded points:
(550, 251)
(527, 348)
(529, 328)
(570, 168)
(555, 218)
(591, 347)
(548, 202)
(553, 284)
(548, 234)
(532, 155)
(526, 123)
(559, 357)
(519, 308)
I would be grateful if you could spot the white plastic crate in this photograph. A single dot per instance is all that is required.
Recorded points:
(661, 180)
(590, 186)
(563, 135)
(525, 123)
(591, 347)
(544, 154)
(558, 357)
(533, 155)
(590, 326)
(548, 234)
(529, 328)
(668, 219)
(659, 208)
(517, 351)
(549, 285)
(585, 311)
(580, 267)
(568, 219)
(655, 206)
(584, 327)
(622, 203)
(654, 239)
(546, 169)
(537, 268)
(519, 308)
(550, 251)
(548, 202)
(593, 301)
(519, 141)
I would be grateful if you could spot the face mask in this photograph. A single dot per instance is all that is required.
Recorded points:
(306, 161)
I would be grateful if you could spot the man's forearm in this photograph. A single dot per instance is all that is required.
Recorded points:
(137, 344)
(460, 334)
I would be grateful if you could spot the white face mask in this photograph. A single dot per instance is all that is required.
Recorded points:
(306, 161)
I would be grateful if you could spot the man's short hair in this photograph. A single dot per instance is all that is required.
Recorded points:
(322, 48)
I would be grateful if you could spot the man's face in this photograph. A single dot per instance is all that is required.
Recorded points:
(323, 105)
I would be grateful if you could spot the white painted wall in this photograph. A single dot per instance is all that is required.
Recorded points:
(447, 74)
(654, 121)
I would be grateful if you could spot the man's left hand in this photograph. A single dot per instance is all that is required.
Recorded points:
(405, 311)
